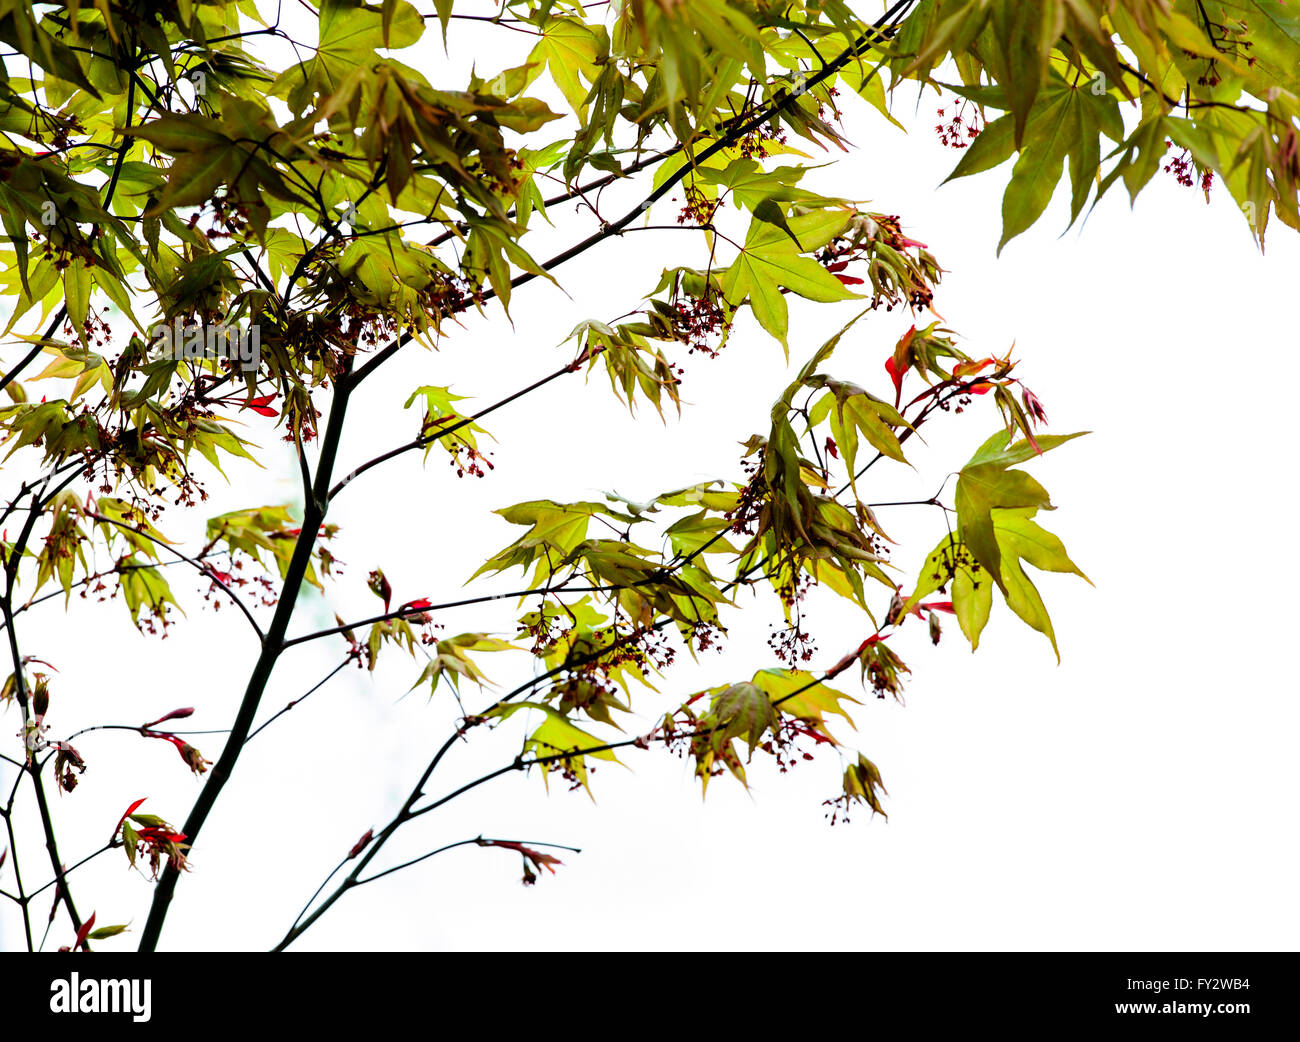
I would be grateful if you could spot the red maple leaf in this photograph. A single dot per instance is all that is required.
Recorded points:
(129, 811)
(261, 405)
(84, 932)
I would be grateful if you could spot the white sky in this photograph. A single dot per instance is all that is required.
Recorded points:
(1138, 796)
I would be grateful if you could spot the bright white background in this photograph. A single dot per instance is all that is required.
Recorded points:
(1138, 796)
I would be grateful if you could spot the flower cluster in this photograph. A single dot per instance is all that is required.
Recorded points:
(782, 743)
(955, 556)
(697, 321)
(754, 145)
(699, 208)
(229, 218)
(792, 644)
(1186, 172)
(469, 460)
(65, 243)
(959, 130)
(706, 636)
(96, 330)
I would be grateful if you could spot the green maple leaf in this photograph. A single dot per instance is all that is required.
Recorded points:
(557, 736)
(205, 158)
(770, 261)
(744, 711)
(1020, 539)
(350, 34)
(980, 489)
(750, 184)
(986, 484)
(566, 49)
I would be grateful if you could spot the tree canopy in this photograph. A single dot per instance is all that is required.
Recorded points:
(221, 219)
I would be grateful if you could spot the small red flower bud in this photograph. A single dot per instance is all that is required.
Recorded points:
(175, 714)
(361, 844)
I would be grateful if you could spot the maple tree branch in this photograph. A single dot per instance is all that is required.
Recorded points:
(541, 678)
(300, 699)
(409, 813)
(116, 570)
(16, 552)
(52, 847)
(202, 569)
(296, 931)
(145, 730)
(68, 871)
(18, 875)
(428, 439)
(37, 348)
(407, 612)
(478, 841)
(272, 645)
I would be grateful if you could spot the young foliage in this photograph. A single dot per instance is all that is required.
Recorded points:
(321, 185)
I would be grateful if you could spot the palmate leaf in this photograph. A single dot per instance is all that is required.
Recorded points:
(1019, 40)
(770, 261)
(206, 157)
(1020, 539)
(994, 534)
(980, 489)
(555, 531)
(144, 588)
(750, 184)
(453, 661)
(853, 411)
(744, 711)
(862, 782)
(986, 483)
(256, 529)
(559, 736)
(439, 414)
(799, 694)
(350, 34)
(1065, 123)
(568, 50)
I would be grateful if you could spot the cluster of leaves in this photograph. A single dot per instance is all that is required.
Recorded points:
(194, 166)
(1219, 80)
